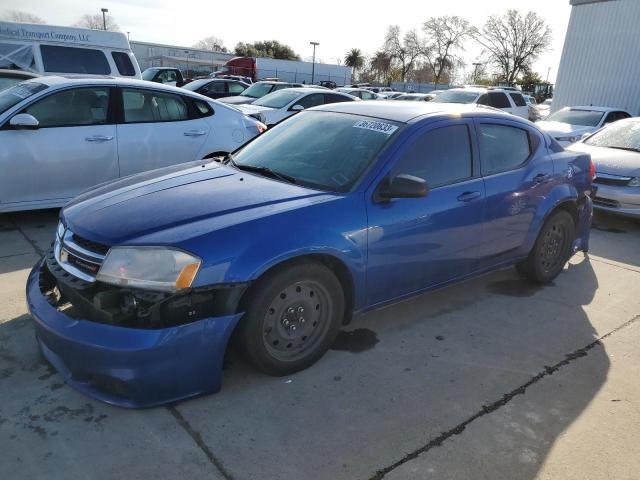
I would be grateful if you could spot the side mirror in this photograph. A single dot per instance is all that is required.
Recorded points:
(24, 121)
(402, 186)
(297, 108)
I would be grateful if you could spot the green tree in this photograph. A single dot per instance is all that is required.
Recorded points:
(381, 64)
(354, 59)
(266, 48)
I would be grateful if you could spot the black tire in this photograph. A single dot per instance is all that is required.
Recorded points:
(551, 250)
(292, 316)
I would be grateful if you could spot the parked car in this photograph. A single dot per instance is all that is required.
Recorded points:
(62, 135)
(416, 97)
(545, 108)
(217, 88)
(55, 50)
(277, 106)
(615, 151)
(165, 75)
(258, 90)
(328, 83)
(568, 125)
(9, 78)
(394, 95)
(361, 93)
(240, 78)
(342, 208)
(509, 101)
(534, 112)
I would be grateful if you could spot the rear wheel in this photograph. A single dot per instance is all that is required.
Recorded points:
(292, 317)
(551, 250)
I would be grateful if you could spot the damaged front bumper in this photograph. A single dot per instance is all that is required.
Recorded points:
(132, 349)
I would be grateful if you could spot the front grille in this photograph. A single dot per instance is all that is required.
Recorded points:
(605, 202)
(89, 245)
(79, 256)
(614, 180)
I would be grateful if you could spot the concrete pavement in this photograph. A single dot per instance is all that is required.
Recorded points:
(494, 378)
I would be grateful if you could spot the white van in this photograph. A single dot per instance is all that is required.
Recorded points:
(51, 50)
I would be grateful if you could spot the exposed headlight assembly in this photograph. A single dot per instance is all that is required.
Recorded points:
(153, 268)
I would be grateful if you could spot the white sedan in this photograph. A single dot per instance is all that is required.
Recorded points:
(276, 106)
(60, 136)
(570, 124)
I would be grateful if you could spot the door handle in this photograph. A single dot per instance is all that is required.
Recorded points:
(99, 138)
(541, 178)
(194, 133)
(468, 196)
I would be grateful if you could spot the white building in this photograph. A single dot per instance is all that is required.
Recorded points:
(185, 58)
(600, 63)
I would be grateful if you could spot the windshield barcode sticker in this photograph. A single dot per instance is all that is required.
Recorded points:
(381, 127)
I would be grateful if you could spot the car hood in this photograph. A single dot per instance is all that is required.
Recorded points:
(237, 100)
(559, 129)
(253, 109)
(611, 160)
(153, 206)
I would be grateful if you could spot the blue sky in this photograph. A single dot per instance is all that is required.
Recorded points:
(338, 27)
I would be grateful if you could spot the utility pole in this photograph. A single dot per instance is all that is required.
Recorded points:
(313, 65)
(548, 72)
(104, 17)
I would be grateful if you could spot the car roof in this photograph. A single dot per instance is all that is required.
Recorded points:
(406, 111)
(309, 90)
(17, 73)
(597, 109)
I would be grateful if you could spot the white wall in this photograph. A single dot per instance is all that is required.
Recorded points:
(600, 63)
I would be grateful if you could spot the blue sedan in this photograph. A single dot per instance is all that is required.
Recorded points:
(342, 208)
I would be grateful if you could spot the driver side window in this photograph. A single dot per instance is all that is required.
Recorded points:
(441, 156)
(311, 100)
(72, 108)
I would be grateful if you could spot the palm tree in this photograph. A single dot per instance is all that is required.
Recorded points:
(354, 59)
(381, 63)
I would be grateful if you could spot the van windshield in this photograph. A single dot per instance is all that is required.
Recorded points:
(14, 95)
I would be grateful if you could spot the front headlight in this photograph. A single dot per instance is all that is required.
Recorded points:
(571, 139)
(154, 268)
(634, 182)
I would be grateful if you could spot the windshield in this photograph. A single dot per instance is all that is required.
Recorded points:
(278, 99)
(149, 74)
(586, 118)
(452, 96)
(14, 95)
(622, 135)
(196, 84)
(258, 90)
(333, 160)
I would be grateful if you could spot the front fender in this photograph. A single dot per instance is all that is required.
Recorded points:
(243, 252)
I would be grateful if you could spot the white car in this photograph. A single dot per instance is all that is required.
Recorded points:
(510, 101)
(279, 105)
(570, 124)
(361, 93)
(545, 108)
(60, 136)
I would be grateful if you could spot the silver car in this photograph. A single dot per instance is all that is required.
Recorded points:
(615, 151)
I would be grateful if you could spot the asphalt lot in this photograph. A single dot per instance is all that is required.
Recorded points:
(491, 379)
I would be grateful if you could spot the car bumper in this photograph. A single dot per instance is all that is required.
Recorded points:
(130, 367)
(621, 200)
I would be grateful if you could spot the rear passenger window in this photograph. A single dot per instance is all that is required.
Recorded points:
(311, 100)
(498, 100)
(202, 109)
(333, 98)
(518, 100)
(74, 60)
(441, 156)
(236, 88)
(502, 148)
(123, 62)
(148, 106)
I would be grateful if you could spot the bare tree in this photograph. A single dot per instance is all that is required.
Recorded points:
(94, 22)
(20, 16)
(212, 43)
(444, 37)
(513, 41)
(405, 50)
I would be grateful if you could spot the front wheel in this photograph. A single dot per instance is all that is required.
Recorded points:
(292, 317)
(551, 250)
